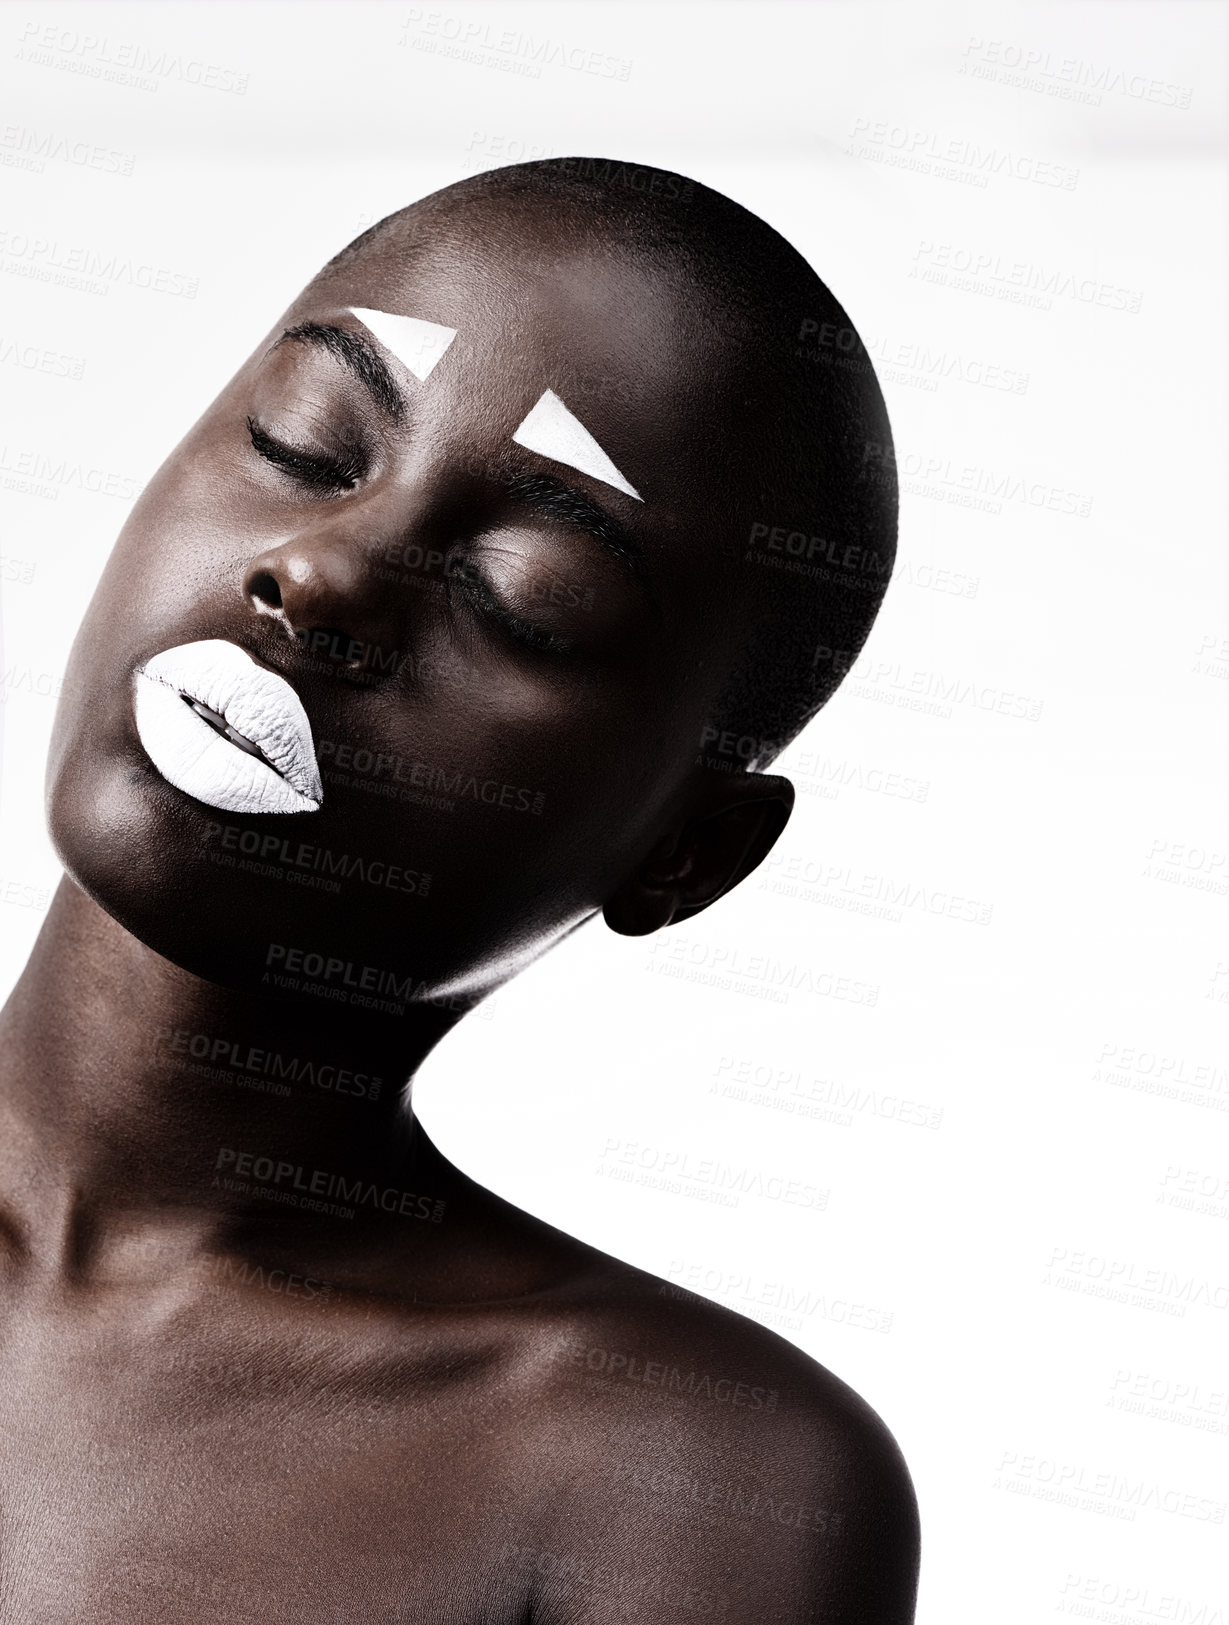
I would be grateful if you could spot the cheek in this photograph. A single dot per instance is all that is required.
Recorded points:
(180, 548)
(599, 777)
(525, 806)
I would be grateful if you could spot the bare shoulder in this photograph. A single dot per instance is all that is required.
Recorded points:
(711, 1466)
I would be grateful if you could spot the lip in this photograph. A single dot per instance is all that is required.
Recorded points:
(274, 770)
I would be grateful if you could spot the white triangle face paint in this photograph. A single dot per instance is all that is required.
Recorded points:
(418, 344)
(552, 431)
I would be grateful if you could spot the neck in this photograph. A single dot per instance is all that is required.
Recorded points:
(135, 1097)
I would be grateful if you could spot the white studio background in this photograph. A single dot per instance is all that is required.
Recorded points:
(974, 1007)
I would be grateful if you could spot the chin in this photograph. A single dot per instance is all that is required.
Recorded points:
(144, 853)
(125, 847)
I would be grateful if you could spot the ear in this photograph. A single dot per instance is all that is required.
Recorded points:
(706, 853)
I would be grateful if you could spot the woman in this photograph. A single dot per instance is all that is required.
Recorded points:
(464, 613)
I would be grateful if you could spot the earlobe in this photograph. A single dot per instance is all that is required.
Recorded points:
(648, 901)
(639, 915)
(714, 850)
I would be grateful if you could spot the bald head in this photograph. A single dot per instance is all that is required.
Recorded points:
(807, 528)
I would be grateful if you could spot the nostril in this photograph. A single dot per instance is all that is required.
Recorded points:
(264, 588)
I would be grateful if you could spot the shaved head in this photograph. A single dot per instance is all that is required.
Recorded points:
(808, 536)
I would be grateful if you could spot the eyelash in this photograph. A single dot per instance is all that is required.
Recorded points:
(459, 569)
(314, 469)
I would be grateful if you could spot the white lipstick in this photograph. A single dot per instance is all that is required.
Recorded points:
(270, 768)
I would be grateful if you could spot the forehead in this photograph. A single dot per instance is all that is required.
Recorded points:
(636, 355)
(596, 305)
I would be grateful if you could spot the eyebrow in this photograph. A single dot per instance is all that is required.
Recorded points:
(360, 357)
(542, 492)
(551, 497)
(555, 432)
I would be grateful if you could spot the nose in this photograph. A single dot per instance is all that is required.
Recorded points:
(324, 589)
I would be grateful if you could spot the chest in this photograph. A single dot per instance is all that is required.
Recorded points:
(205, 1479)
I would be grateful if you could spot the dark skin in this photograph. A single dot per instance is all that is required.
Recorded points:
(219, 1400)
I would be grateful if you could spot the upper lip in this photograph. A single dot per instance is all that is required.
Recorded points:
(351, 673)
(256, 701)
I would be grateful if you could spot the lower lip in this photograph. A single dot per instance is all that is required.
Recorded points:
(196, 758)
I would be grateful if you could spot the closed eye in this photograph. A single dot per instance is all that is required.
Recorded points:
(461, 571)
(320, 471)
